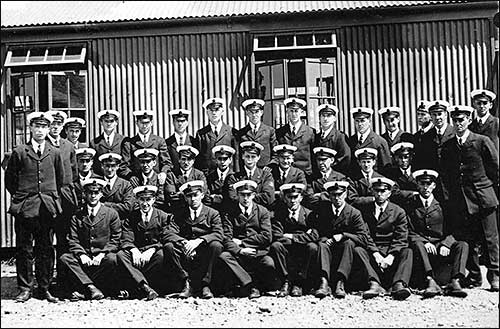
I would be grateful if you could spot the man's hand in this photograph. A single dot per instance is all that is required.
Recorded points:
(162, 177)
(86, 260)
(136, 257)
(237, 241)
(97, 259)
(251, 252)
(146, 256)
(266, 169)
(387, 261)
(430, 248)
(444, 251)
(338, 237)
(191, 245)
(329, 242)
(378, 258)
(216, 198)
(288, 235)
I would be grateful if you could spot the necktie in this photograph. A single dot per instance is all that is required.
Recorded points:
(254, 130)
(325, 176)
(221, 178)
(185, 176)
(108, 140)
(426, 204)
(181, 140)
(336, 212)
(215, 132)
(247, 212)
(293, 130)
(145, 218)
(460, 141)
(323, 134)
(56, 142)
(292, 215)
(360, 141)
(91, 215)
(283, 176)
(39, 151)
(479, 122)
(378, 212)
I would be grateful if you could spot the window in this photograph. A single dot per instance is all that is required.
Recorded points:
(303, 40)
(46, 55)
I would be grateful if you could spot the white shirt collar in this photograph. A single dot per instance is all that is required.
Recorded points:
(243, 209)
(393, 134)
(483, 118)
(383, 206)
(326, 132)
(144, 137)
(464, 136)
(54, 141)
(145, 178)
(365, 135)
(430, 199)
(295, 213)
(186, 173)
(111, 182)
(195, 213)
(218, 126)
(250, 172)
(110, 137)
(178, 137)
(35, 145)
(339, 209)
(254, 127)
(408, 170)
(222, 173)
(428, 127)
(297, 126)
(441, 130)
(283, 172)
(147, 215)
(82, 178)
(94, 210)
(370, 174)
(327, 173)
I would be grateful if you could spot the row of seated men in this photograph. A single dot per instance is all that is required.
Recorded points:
(221, 163)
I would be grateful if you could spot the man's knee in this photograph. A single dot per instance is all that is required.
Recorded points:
(215, 246)
(277, 247)
(312, 248)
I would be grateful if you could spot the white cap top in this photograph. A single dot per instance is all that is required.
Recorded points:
(336, 185)
(483, 92)
(389, 110)
(245, 184)
(361, 110)
(253, 102)
(366, 152)
(223, 148)
(40, 116)
(56, 115)
(423, 105)
(110, 156)
(284, 147)
(251, 144)
(142, 113)
(192, 185)
(85, 151)
(292, 187)
(328, 108)
(179, 112)
(294, 102)
(108, 112)
(145, 189)
(189, 148)
(94, 181)
(214, 100)
(425, 172)
(75, 122)
(382, 180)
(457, 109)
(438, 105)
(324, 151)
(401, 145)
(146, 151)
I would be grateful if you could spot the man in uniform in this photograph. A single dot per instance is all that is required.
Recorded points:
(34, 177)
(109, 141)
(73, 129)
(147, 158)
(66, 148)
(141, 258)
(220, 195)
(424, 122)
(329, 136)
(401, 172)
(469, 168)
(264, 194)
(85, 160)
(387, 259)
(94, 240)
(215, 133)
(257, 131)
(325, 158)
(393, 134)
(144, 139)
(293, 248)
(298, 134)
(198, 244)
(180, 136)
(340, 228)
(485, 123)
(247, 238)
(118, 192)
(174, 199)
(283, 171)
(430, 239)
(365, 137)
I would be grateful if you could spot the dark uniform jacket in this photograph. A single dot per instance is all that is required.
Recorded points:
(101, 147)
(407, 185)
(427, 224)
(363, 188)
(471, 171)
(303, 140)
(172, 149)
(173, 182)
(349, 223)
(137, 234)
(401, 136)
(136, 181)
(302, 228)
(32, 180)
(337, 141)
(428, 152)
(218, 187)
(266, 136)
(93, 236)
(374, 141)
(489, 128)
(205, 141)
(79, 200)
(67, 151)
(315, 185)
(206, 226)
(294, 175)
(120, 197)
(131, 165)
(389, 234)
(265, 185)
(254, 231)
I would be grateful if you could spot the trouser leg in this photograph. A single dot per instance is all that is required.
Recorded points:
(403, 263)
(234, 266)
(206, 257)
(173, 256)
(44, 250)
(459, 252)
(343, 255)
(366, 264)
(24, 252)
(279, 253)
(490, 233)
(324, 259)
(422, 255)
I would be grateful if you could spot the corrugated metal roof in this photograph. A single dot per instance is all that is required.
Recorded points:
(29, 13)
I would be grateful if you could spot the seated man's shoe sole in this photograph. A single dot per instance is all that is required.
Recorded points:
(401, 294)
(456, 293)
(23, 296)
(206, 293)
(296, 291)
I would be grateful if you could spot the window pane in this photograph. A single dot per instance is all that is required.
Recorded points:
(73, 53)
(263, 82)
(55, 54)
(324, 39)
(18, 55)
(285, 40)
(304, 40)
(266, 42)
(37, 55)
(77, 91)
(278, 84)
(297, 76)
(59, 91)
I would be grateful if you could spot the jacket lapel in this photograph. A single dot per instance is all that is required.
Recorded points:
(223, 132)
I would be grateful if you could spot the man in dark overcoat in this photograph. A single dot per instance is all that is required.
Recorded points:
(180, 136)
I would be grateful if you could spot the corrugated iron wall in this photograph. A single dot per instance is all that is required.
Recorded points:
(399, 64)
(166, 72)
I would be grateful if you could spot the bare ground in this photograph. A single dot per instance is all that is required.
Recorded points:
(480, 309)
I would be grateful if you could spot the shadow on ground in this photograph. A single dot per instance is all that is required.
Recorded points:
(9, 287)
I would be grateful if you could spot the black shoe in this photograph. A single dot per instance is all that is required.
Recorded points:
(23, 296)
(433, 289)
(374, 291)
(254, 293)
(296, 291)
(94, 292)
(76, 296)
(323, 290)
(455, 289)
(473, 281)
(493, 280)
(399, 291)
(45, 294)
(339, 289)
(285, 288)
(186, 290)
(206, 293)
(123, 295)
(149, 293)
